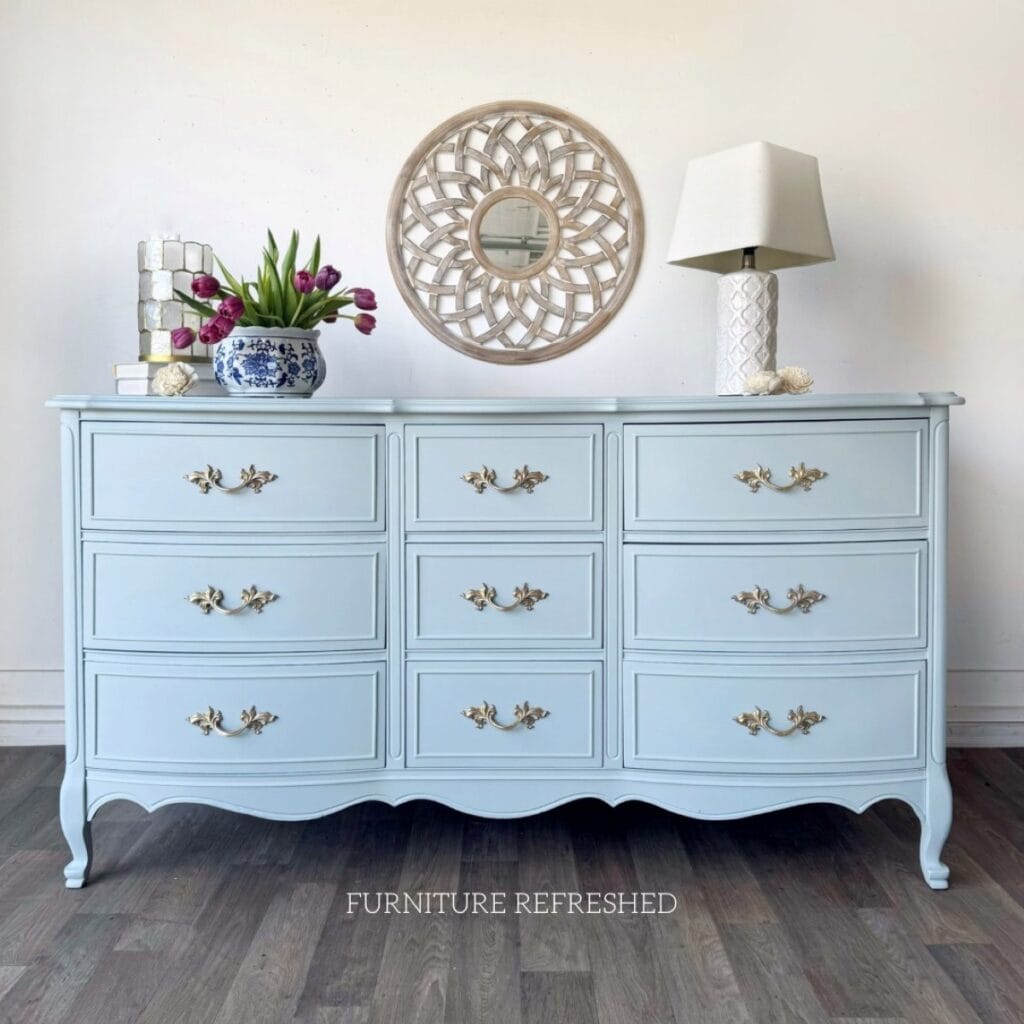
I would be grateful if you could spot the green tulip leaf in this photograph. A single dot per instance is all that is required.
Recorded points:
(326, 306)
(199, 307)
(289, 296)
(288, 263)
(252, 298)
(275, 297)
(232, 283)
(294, 320)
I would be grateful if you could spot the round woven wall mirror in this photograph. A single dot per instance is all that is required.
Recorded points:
(515, 232)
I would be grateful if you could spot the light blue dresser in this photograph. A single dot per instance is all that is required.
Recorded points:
(720, 606)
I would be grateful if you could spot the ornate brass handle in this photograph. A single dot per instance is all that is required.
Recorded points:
(523, 597)
(487, 714)
(758, 719)
(799, 476)
(760, 598)
(252, 720)
(210, 600)
(522, 479)
(252, 478)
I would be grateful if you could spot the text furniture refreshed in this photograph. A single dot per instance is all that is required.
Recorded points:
(719, 606)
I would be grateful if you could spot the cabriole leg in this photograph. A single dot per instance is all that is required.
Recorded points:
(76, 827)
(935, 825)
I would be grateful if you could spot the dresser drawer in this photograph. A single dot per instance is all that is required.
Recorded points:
(741, 597)
(521, 714)
(504, 595)
(684, 717)
(734, 477)
(504, 477)
(163, 597)
(328, 716)
(136, 476)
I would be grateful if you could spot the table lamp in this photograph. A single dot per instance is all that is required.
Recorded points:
(745, 212)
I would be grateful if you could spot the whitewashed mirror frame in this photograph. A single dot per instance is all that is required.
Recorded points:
(514, 282)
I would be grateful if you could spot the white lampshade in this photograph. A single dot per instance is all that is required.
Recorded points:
(756, 195)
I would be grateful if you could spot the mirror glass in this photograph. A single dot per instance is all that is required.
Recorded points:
(514, 233)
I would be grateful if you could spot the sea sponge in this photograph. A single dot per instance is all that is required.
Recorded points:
(789, 380)
(175, 379)
(796, 380)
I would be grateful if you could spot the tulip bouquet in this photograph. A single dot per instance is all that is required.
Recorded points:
(281, 296)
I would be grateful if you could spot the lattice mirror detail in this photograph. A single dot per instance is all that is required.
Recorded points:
(515, 232)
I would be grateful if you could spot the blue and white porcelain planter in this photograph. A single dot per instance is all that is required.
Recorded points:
(272, 362)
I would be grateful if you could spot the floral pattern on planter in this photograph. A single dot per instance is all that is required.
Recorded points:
(270, 362)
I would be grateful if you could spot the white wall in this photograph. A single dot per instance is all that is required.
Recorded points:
(220, 119)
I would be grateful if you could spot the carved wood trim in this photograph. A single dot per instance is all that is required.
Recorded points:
(534, 151)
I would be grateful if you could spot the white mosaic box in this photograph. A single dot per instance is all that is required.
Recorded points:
(167, 265)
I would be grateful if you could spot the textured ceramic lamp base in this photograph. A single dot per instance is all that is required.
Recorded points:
(748, 312)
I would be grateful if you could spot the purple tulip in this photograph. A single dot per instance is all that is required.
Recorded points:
(208, 334)
(364, 298)
(232, 307)
(224, 324)
(303, 281)
(216, 330)
(327, 278)
(365, 323)
(205, 286)
(182, 337)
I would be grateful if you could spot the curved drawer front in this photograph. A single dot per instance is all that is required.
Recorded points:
(520, 477)
(154, 597)
(136, 476)
(521, 714)
(684, 717)
(302, 717)
(764, 476)
(753, 597)
(503, 595)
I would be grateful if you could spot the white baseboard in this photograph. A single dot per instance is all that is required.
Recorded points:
(985, 734)
(986, 708)
(31, 707)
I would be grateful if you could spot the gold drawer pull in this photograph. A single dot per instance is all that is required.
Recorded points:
(251, 720)
(522, 479)
(210, 600)
(757, 719)
(252, 478)
(760, 598)
(799, 476)
(487, 714)
(524, 596)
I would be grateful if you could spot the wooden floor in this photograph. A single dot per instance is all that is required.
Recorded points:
(814, 914)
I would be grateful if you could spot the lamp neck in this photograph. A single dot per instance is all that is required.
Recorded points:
(748, 258)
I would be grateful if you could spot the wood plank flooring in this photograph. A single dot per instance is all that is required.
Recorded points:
(811, 915)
